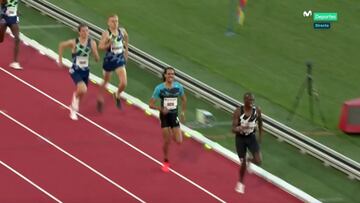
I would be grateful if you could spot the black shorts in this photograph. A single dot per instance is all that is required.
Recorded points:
(169, 120)
(246, 142)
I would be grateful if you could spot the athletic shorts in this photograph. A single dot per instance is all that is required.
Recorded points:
(169, 120)
(80, 76)
(246, 142)
(9, 20)
(112, 63)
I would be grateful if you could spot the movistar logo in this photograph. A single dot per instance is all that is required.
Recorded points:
(307, 13)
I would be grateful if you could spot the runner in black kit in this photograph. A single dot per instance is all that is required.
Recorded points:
(246, 119)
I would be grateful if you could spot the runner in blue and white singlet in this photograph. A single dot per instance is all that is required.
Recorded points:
(81, 49)
(9, 18)
(79, 70)
(114, 42)
(115, 54)
(9, 12)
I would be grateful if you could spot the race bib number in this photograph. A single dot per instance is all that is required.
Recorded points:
(117, 47)
(248, 127)
(82, 61)
(170, 103)
(11, 11)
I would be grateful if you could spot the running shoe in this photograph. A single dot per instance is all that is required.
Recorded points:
(73, 114)
(117, 100)
(240, 188)
(165, 167)
(15, 65)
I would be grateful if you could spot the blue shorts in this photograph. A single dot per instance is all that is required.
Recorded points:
(9, 21)
(80, 76)
(112, 63)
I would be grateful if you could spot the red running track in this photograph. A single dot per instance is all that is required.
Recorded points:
(70, 181)
(12, 185)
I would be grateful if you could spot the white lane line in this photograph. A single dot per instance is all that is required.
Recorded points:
(29, 181)
(34, 27)
(114, 135)
(72, 156)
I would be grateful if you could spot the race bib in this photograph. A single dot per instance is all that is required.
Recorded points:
(82, 61)
(170, 103)
(11, 11)
(248, 127)
(117, 47)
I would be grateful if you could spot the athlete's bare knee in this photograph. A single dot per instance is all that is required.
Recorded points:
(122, 85)
(178, 136)
(106, 79)
(166, 141)
(257, 161)
(103, 84)
(82, 91)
